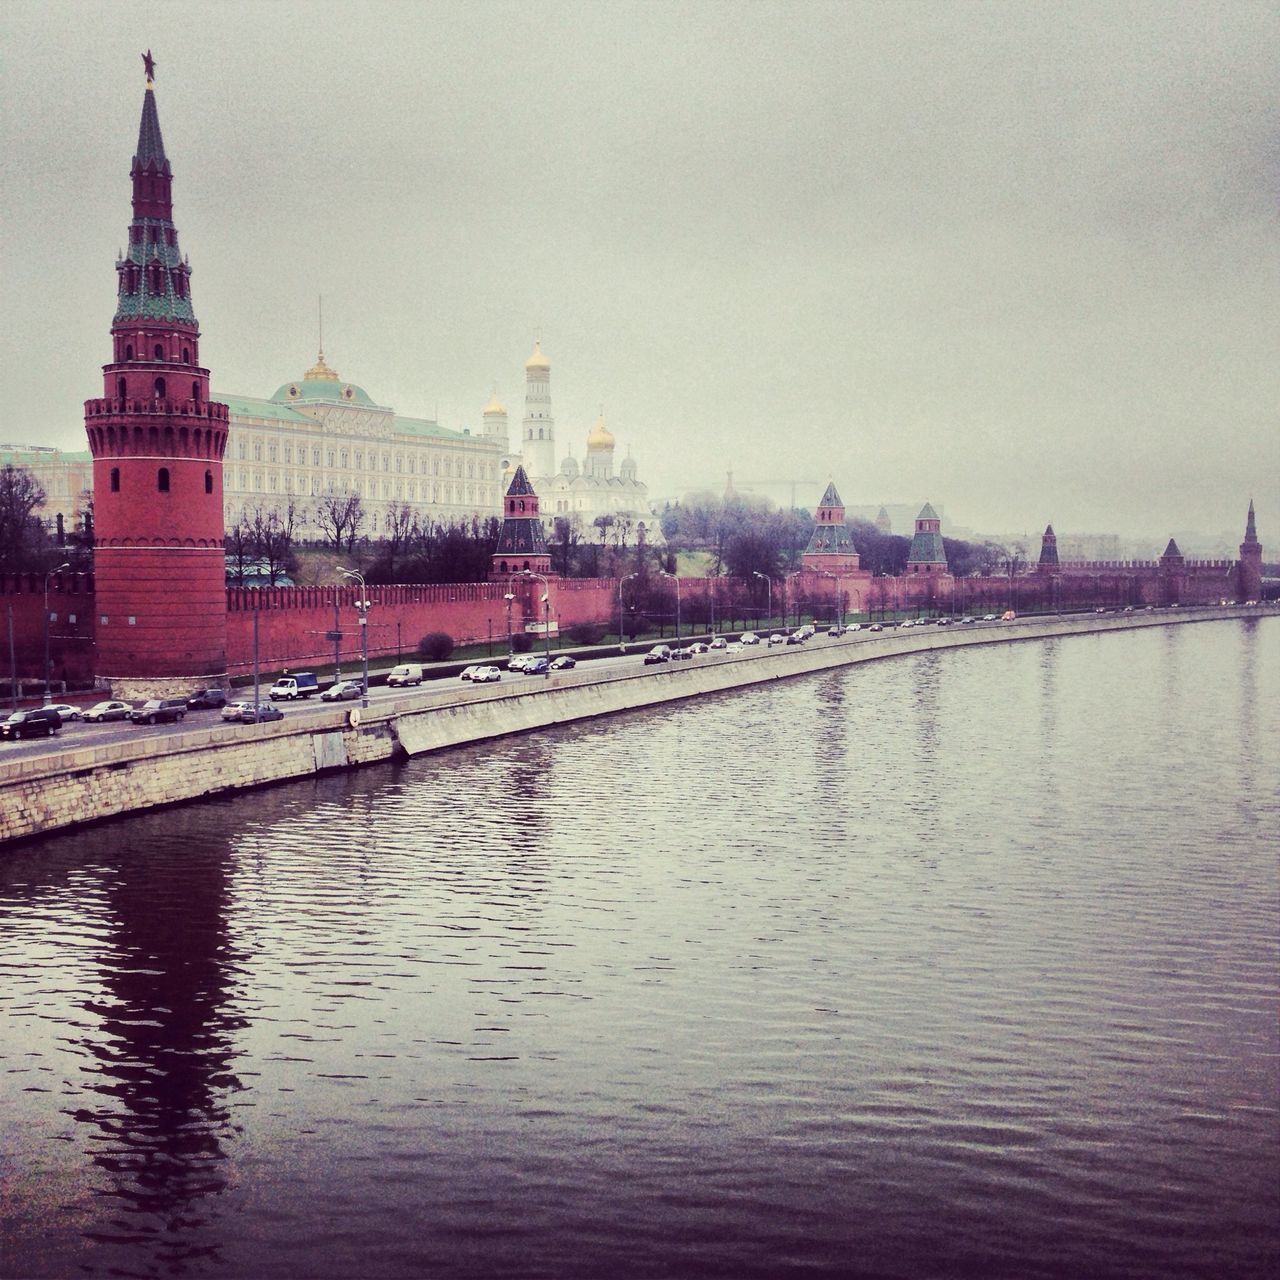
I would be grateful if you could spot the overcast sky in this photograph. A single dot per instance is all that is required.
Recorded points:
(1018, 259)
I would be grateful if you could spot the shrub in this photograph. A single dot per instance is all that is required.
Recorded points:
(435, 646)
(586, 633)
(521, 642)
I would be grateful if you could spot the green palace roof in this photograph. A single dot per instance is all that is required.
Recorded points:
(330, 389)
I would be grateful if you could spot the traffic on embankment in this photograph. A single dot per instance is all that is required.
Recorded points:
(87, 773)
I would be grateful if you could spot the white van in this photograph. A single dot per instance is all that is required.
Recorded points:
(406, 673)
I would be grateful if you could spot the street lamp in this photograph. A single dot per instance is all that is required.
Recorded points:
(768, 582)
(511, 647)
(676, 580)
(546, 619)
(47, 576)
(622, 639)
(786, 593)
(362, 608)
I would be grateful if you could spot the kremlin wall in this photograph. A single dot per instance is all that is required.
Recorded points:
(156, 617)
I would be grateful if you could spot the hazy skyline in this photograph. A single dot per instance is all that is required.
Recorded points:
(1016, 259)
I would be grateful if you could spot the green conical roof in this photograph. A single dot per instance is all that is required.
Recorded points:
(150, 143)
(927, 512)
(831, 498)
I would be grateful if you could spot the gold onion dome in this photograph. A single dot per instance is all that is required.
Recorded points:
(537, 360)
(320, 370)
(599, 436)
(494, 406)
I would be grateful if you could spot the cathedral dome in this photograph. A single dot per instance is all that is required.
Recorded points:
(494, 407)
(538, 360)
(599, 436)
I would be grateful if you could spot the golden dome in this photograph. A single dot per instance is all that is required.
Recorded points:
(599, 436)
(538, 360)
(494, 406)
(320, 370)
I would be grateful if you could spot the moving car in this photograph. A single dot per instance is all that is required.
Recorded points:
(109, 710)
(342, 690)
(405, 674)
(35, 723)
(854, 626)
(536, 667)
(266, 711)
(468, 673)
(487, 675)
(698, 647)
(718, 642)
(683, 653)
(64, 709)
(563, 663)
(777, 638)
(211, 699)
(236, 710)
(159, 711)
(797, 637)
(517, 663)
(750, 637)
(659, 653)
(875, 626)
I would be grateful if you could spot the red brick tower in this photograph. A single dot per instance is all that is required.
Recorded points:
(157, 445)
(522, 543)
(1250, 561)
(927, 554)
(1048, 551)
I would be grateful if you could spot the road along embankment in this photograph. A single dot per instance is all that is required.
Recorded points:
(64, 788)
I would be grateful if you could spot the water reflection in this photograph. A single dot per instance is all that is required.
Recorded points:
(156, 1100)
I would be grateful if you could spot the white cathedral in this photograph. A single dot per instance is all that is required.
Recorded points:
(577, 492)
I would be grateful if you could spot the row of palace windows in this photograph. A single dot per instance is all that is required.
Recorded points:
(342, 460)
(277, 483)
(162, 480)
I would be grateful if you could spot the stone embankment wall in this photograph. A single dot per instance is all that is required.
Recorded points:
(65, 788)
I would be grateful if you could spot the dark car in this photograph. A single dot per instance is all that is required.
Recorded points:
(537, 667)
(563, 663)
(159, 711)
(206, 699)
(39, 722)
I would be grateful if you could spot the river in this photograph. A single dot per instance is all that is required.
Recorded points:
(949, 965)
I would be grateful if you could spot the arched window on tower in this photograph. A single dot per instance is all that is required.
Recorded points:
(162, 479)
(159, 352)
(128, 351)
(159, 388)
(186, 355)
(195, 392)
(121, 386)
(115, 479)
(208, 482)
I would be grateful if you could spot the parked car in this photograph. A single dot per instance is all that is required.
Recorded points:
(487, 675)
(64, 709)
(536, 667)
(109, 710)
(302, 684)
(718, 642)
(342, 691)
(750, 637)
(468, 673)
(405, 674)
(266, 711)
(659, 653)
(563, 663)
(35, 723)
(203, 699)
(236, 710)
(159, 711)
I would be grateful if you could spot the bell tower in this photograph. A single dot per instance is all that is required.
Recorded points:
(157, 443)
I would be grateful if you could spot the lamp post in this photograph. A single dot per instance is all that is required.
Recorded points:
(511, 646)
(676, 580)
(362, 608)
(786, 594)
(47, 576)
(768, 582)
(546, 616)
(622, 639)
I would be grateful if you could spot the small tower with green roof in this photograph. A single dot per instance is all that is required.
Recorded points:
(927, 554)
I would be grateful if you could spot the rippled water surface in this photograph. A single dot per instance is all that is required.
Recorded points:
(954, 965)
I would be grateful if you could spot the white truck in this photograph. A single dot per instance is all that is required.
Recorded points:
(302, 684)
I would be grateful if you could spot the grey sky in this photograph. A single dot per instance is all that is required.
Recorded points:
(1017, 259)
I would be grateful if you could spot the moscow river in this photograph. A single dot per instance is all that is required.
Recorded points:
(962, 964)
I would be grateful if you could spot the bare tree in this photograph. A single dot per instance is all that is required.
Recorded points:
(339, 517)
(272, 539)
(239, 547)
(22, 536)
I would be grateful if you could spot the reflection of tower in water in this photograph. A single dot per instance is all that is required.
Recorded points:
(156, 1106)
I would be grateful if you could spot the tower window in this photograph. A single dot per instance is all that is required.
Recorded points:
(162, 479)
(208, 482)
(128, 351)
(186, 355)
(159, 388)
(115, 479)
(120, 388)
(159, 352)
